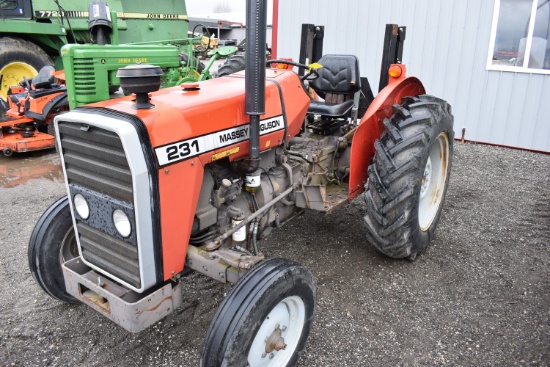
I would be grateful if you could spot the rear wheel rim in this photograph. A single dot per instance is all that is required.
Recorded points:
(434, 179)
(286, 318)
(13, 73)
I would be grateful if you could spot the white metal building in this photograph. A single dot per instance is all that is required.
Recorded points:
(459, 51)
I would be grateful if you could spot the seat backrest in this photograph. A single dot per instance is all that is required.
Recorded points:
(339, 75)
(44, 79)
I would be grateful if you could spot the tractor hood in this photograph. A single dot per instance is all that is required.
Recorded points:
(216, 112)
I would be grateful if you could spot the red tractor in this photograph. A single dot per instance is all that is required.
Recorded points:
(192, 177)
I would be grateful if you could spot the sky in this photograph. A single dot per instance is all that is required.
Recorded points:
(202, 7)
(207, 6)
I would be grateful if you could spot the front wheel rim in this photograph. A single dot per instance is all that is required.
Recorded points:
(69, 248)
(434, 179)
(283, 326)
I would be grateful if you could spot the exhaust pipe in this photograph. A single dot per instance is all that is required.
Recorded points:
(99, 21)
(256, 23)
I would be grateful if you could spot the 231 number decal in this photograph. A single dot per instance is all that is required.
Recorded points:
(182, 150)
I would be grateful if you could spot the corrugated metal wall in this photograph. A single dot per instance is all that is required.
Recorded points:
(446, 47)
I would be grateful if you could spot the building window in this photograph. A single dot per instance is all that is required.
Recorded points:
(520, 36)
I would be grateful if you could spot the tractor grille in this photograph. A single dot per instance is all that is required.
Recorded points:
(95, 162)
(84, 80)
(94, 158)
(109, 253)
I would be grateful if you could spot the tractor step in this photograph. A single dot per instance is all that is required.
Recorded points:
(323, 198)
(336, 196)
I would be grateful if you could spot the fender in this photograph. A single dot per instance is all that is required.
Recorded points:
(371, 126)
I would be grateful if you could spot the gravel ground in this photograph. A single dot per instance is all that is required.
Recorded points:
(479, 296)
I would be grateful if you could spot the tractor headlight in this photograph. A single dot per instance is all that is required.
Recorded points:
(122, 223)
(81, 206)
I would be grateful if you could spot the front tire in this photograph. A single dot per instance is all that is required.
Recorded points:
(265, 319)
(51, 244)
(409, 176)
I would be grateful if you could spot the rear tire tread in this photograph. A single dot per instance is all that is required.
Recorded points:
(392, 191)
(233, 64)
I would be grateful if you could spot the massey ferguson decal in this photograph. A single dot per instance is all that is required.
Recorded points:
(193, 147)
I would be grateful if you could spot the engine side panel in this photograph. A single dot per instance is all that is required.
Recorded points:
(180, 186)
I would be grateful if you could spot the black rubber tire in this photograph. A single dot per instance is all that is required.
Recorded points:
(392, 192)
(249, 302)
(14, 49)
(233, 64)
(196, 61)
(7, 152)
(52, 242)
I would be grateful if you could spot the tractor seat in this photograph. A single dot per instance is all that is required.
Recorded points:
(44, 79)
(44, 83)
(338, 81)
(330, 109)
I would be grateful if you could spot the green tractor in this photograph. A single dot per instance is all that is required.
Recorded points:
(91, 69)
(103, 39)
(32, 32)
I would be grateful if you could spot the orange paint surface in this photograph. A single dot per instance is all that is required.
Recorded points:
(180, 186)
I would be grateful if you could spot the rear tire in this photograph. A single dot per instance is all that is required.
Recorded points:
(409, 176)
(264, 320)
(233, 64)
(18, 59)
(51, 244)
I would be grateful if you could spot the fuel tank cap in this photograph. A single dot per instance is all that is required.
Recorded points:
(190, 86)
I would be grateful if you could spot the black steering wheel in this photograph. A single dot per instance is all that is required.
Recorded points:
(200, 47)
(310, 75)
